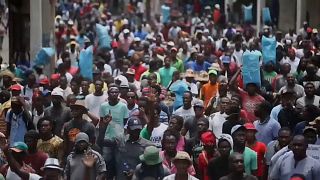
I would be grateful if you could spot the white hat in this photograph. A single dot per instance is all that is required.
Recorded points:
(125, 31)
(207, 7)
(125, 21)
(137, 39)
(57, 92)
(52, 163)
(206, 31)
(201, 24)
(70, 22)
(123, 81)
(217, 6)
(170, 43)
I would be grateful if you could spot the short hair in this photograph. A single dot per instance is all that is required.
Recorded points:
(266, 106)
(285, 129)
(309, 83)
(46, 118)
(205, 120)
(157, 88)
(189, 92)
(32, 134)
(170, 132)
(179, 120)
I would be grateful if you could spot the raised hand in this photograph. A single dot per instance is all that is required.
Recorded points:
(89, 160)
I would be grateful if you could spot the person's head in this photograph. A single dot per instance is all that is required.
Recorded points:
(287, 99)
(136, 59)
(169, 141)
(65, 56)
(173, 53)
(31, 80)
(263, 110)
(151, 156)
(81, 143)
(77, 110)
(310, 134)
(4, 96)
(19, 151)
(202, 125)
(269, 67)
(57, 97)
(251, 132)
(167, 61)
(16, 105)
(175, 76)
(45, 126)
(134, 128)
(311, 69)
(143, 102)
(187, 99)
(113, 93)
(98, 84)
(284, 136)
(238, 133)
(182, 162)
(75, 87)
(85, 84)
(200, 58)
(63, 82)
(224, 102)
(176, 123)
(251, 88)
(291, 53)
(131, 98)
(52, 169)
(71, 99)
(198, 108)
(152, 79)
(15, 90)
(299, 147)
(54, 80)
(7, 77)
(225, 144)
(285, 68)
(208, 140)
(31, 139)
(223, 89)
(233, 112)
(309, 89)
(297, 177)
(213, 75)
(236, 163)
(291, 80)
(37, 100)
(156, 114)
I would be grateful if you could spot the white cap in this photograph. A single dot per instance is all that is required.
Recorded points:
(137, 39)
(170, 43)
(57, 92)
(207, 7)
(217, 6)
(206, 31)
(125, 31)
(70, 22)
(123, 81)
(201, 24)
(125, 21)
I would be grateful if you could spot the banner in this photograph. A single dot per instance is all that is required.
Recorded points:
(165, 10)
(269, 49)
(266, 15)
(247, 11)
(44, 55)
(86, 62)
(251, 67)
(104, 40)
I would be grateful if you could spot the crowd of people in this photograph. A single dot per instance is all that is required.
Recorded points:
(167, 100)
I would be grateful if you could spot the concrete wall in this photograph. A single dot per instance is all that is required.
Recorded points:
(313, 7)
(287, 17)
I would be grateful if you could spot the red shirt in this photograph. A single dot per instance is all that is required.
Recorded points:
(249, 104)
(261, 149)
(139, 70)
(36, 161)
(204, 159)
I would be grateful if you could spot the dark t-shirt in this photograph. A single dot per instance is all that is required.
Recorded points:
(72, 128)
(218, 168)
(59, 116)
(228, 125)
(245, 177)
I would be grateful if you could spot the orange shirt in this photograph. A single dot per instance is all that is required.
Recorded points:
(208, 91)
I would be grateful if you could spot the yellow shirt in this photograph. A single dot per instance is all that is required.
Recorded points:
(53, 147)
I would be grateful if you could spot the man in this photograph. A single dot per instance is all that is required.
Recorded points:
(48, 142)
(28, 89)
(291, 59)
(236, 167)
(186, 111)
(291, 85)
(189, 79)
(76, 168)
(18, 120)
(58, 112)
(35, 158)
(175, 62)
(219, 167)
(133, 84)
(296, 162)
(310, 98)
(200, 64)
(284, 138)
(127, 156)
(216, 120)
(280, 80)
(94, 100)
(238, 133)
(190, 124)
(210, 89)
(4, 107)
(166, 72)
(267, 127)
(77, 125)
(133, 108)
(233, 113)
(137, 66)
(182, 161)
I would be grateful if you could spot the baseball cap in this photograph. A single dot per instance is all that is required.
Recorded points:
(78, 104)
(225, 137)
(114, 44)
(123, 81)
(19, 147)
(52, 163)
(15, 87)
(125, 31)
(44, 81)
(189, 73)
(170, 43)
(57, 92)
(182, 155)
(174, 49)
(237, 128)
(134, 123)
(212, 71)
(208, 138)
(81, 136)
(55, 76)
(250, 126)
(226, 59)
(198, 103)
(314, 31)
(217, 6)
(131, 71)
(137, 39)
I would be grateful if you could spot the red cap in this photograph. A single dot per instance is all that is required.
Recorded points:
(309, 30)
(208, 138)
(250, 126)
(44, 81)
(160, 50)
(15, 87)
(114, 44)
(55, 76)
(174, 49)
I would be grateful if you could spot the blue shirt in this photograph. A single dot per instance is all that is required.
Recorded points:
(267, 131)
(18, 127)
(198, 67)
(142, 35)
(275, 111)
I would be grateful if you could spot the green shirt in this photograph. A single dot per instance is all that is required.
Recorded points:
(178, 64)
(269, 75)
(145, 134)
(166, 75)
(147, 73)
(250, 160)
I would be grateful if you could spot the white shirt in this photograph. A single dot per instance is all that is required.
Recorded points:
(93, 103)
(173, 177)
(238, 57)
(157, 134)
(294, 64)
(216, 121)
